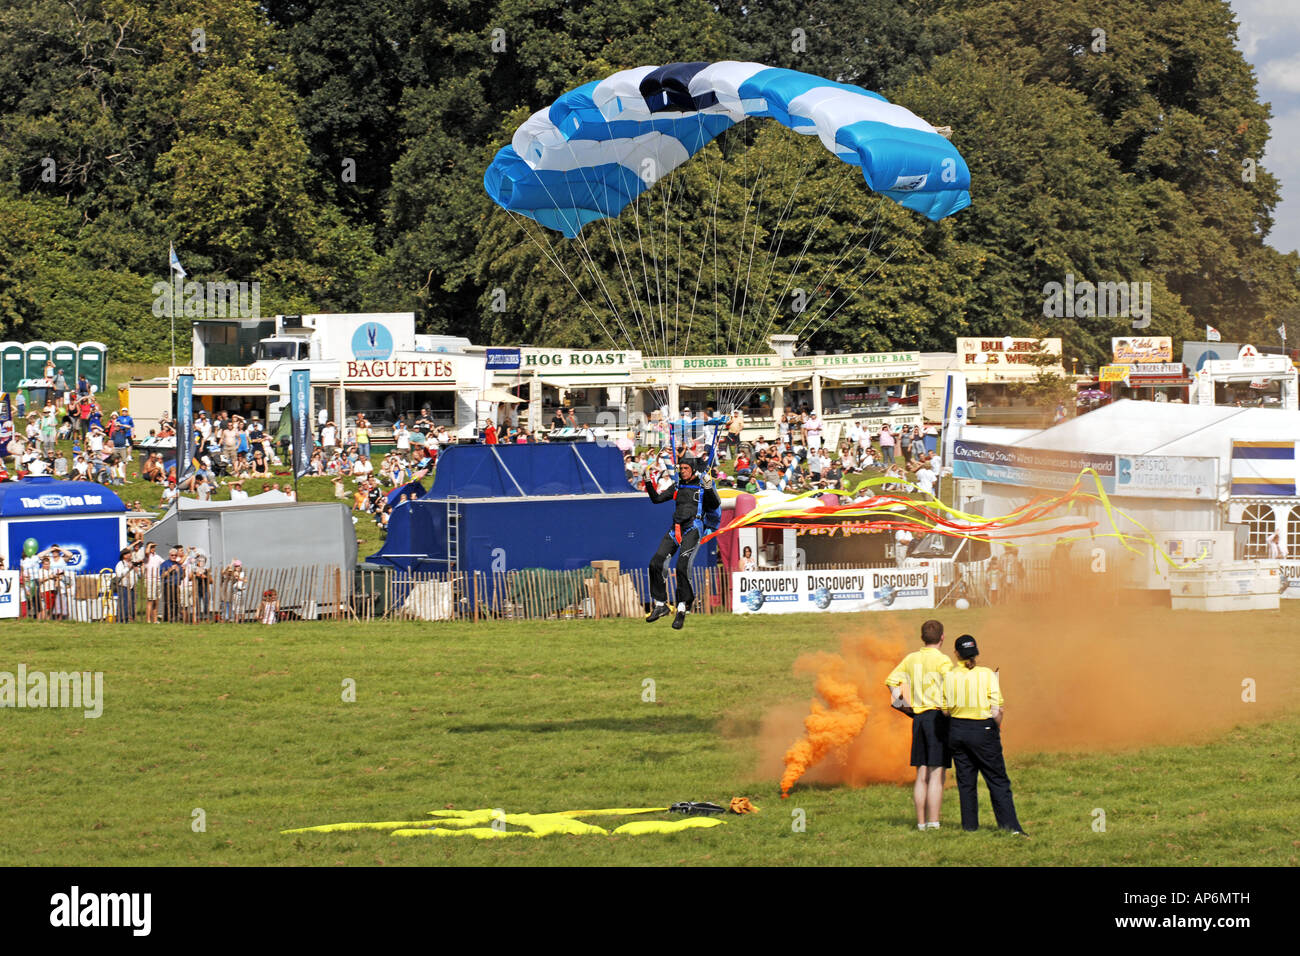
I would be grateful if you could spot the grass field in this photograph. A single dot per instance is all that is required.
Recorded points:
(249, 725)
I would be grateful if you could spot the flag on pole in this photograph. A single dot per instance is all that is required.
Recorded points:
(1281, 330)
(1212, 334)
(174, 261)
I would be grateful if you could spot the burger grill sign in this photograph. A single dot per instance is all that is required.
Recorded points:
(865, 589)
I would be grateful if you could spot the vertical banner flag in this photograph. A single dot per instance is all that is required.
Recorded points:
(185, 449)
(954, 412)
(300, 409)
(174, 262)
(1212, 334)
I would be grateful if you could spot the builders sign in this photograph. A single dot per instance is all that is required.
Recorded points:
(861, 589)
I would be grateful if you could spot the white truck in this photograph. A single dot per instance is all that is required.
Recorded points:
(320, 342)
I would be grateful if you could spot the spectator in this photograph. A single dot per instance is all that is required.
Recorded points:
(902, 542)
(363, 436)
(259, 468)
(269, 608)
(926, 478)
(886, 444)
(49, 589)
(201, 585)
(123, 432)
(812, 432)
(171, 573)
(233, 584)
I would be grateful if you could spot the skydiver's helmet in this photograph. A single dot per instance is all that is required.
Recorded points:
(692, 463)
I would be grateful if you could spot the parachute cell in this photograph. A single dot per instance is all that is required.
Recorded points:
(598, 147)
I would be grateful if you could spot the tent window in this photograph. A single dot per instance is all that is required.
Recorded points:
(1293, 534)
(1259, 519)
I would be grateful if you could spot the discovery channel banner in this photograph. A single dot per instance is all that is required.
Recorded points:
(861, 589)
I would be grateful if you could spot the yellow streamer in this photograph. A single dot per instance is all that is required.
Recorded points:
(642, 827)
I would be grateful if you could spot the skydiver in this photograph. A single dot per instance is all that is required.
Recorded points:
(689, 524)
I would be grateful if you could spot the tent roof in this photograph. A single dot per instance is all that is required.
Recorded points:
(266, 500)
(509, 471)
(1156, 428)
(46, 496)
(1162, 428)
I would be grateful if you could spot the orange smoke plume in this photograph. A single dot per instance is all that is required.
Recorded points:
(845, 739)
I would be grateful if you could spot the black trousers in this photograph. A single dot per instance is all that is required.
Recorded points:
(685, 555)
(977, 749)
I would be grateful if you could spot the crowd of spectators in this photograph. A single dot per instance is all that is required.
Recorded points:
(795, 459)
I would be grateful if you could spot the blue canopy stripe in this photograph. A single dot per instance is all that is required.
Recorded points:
(598, 147)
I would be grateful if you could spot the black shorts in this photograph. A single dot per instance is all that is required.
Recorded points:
(930, 740)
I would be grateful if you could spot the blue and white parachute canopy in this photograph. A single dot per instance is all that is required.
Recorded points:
(597, 148)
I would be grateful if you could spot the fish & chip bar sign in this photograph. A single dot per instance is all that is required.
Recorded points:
(863, 589)
(775, 369)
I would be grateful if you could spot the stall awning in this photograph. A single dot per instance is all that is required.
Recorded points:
(854, 377)
(235, 388)
(401, 387)
(1159, 381)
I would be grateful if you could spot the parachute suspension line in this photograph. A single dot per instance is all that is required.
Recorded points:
(850, 296)
(779, 241)
(704, 245)
(629, 288)
(666, 247)
(623, 260)
(812, 234)
(740, 251)
(596, 274)
(845, 254)
(564, 272)
(759, 340)
(743, 345)
(656, 308)
(645, 273)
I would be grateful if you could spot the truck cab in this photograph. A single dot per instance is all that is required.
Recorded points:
(284, 348)
(950, 558)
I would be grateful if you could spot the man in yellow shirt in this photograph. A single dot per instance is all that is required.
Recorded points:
(973, 700)
(923, 672)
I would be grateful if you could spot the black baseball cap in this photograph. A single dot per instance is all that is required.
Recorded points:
(966, 647)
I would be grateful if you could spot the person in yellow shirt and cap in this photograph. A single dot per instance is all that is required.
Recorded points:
(973, 701)
(923, 672)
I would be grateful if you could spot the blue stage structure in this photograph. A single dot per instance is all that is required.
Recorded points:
(495, 508)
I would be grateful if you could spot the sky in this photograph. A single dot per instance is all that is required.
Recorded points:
(1269, 37)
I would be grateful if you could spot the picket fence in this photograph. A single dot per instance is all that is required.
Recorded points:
(319, 592)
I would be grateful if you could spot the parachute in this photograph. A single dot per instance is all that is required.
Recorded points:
(598, 147)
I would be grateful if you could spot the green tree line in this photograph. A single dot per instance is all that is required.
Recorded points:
(334, 153)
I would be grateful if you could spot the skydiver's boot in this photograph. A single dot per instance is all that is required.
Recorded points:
(659, 610)
(680, 620)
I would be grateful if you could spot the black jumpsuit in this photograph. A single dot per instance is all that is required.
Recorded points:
(683, 535)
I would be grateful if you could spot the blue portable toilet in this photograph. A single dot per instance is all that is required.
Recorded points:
(82, 517)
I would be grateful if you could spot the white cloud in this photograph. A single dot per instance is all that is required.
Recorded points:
(1281, 74)
(1269, 35)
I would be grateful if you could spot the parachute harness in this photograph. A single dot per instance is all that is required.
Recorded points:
(702, 523)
